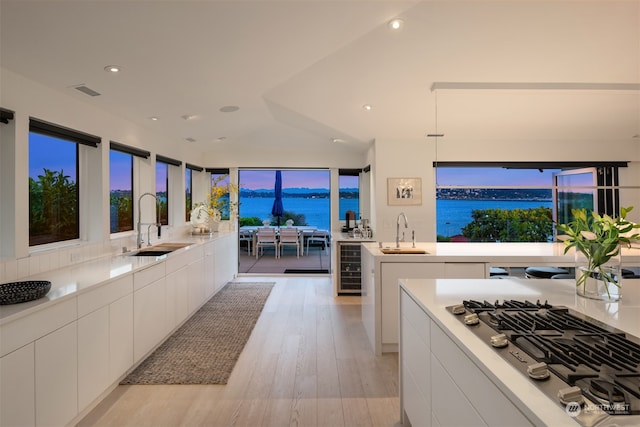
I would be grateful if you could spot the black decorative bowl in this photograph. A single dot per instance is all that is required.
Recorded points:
(17, 292)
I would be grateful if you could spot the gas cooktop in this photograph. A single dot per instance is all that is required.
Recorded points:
(590, 368)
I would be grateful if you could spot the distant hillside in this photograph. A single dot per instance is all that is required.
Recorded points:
(493, 194)
(299, 192)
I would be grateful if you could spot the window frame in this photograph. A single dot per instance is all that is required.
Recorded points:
(605, 188)
(83, 142)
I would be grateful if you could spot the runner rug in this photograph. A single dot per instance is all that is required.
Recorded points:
(206, 348)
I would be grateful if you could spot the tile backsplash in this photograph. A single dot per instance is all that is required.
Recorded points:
(12, 269)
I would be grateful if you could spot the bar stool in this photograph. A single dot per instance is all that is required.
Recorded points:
(543, 272)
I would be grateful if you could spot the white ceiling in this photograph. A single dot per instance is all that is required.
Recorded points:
(300, 71)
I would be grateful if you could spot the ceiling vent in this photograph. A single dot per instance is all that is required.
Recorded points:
(87, 91)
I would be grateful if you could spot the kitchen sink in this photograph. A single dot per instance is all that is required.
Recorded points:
(399, 251)
(151, 252)
(160, 249)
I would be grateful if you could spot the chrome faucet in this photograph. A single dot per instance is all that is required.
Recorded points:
(140, 224)
(406, 225)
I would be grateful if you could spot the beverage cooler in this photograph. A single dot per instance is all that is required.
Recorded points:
(349, 268)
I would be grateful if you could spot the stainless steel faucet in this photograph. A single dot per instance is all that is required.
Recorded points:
(140, 224)
(406, 225)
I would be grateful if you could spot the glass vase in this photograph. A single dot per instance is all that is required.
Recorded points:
(601, 282)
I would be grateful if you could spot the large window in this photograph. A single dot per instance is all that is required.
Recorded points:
(120, 191)
(516, 202)
(162, 192)
(349, 188)
(305, 197)
(54, 205)
(53, 190)
(188, 194)
(221, 179)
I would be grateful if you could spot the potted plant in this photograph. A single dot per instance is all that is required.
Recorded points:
(597, 240)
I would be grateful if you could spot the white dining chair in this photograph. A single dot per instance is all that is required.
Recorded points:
(318, 236)
(266, 237)
(289, 236)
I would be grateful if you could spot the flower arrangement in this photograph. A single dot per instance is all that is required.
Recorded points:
(598, 238)
(218, 201)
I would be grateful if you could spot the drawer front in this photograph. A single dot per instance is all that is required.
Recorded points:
(29, 328)
(416, 317)
(104, 295)
(148, 275)
(483, 394)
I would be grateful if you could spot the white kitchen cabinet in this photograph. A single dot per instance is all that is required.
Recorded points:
(465, 270)
(226, 255)
(120, 337)
(390, 273)
(56, 373)
(17, 387)
(98, 346)
(481, 393)
(440, 385)
(448, 403)
(149, 318)
(93, 356)
(415, 367)
(177, 297)
(196, 292)
(209, 270)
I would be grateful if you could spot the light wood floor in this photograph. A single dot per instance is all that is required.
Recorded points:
(307, 363)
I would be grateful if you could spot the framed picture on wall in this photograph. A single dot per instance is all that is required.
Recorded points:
(404, 191)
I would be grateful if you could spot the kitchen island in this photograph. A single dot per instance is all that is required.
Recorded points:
(381, 272)
(449, 376)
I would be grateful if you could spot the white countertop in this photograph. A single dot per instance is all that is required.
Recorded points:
(341, 236)
(522, 254)
(433, 295)
(70, 281)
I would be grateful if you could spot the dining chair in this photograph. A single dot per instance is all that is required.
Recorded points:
(289, 236)
(266, 237)
(246, 236)
(318, 236)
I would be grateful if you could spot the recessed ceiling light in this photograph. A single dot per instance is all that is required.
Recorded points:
(229, 108)
(367, 107)
(189, 139)
(155, 119)
(189, 117)
(112, 68)
(221, 138)
(396, 24)
(338, 140)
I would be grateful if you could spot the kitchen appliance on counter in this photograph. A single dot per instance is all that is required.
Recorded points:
(350, 221)
(590, 368)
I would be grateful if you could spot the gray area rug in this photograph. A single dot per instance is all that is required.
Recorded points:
(205, 349)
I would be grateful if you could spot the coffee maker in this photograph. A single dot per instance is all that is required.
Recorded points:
(350, 218)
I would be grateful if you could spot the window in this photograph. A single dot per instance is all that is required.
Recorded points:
(54, 207)
(188, 179)
(513, 202)
(305, 197)
(188, 192)
(349, 188)
(120, 191)
(162, 191)
(221, 179)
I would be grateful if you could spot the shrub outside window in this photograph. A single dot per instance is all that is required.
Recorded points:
(53, 189)
(121, 191)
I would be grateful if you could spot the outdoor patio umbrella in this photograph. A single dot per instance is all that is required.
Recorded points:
(278, 210)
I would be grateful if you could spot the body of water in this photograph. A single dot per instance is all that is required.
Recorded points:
(452, 215)
(316, 211)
